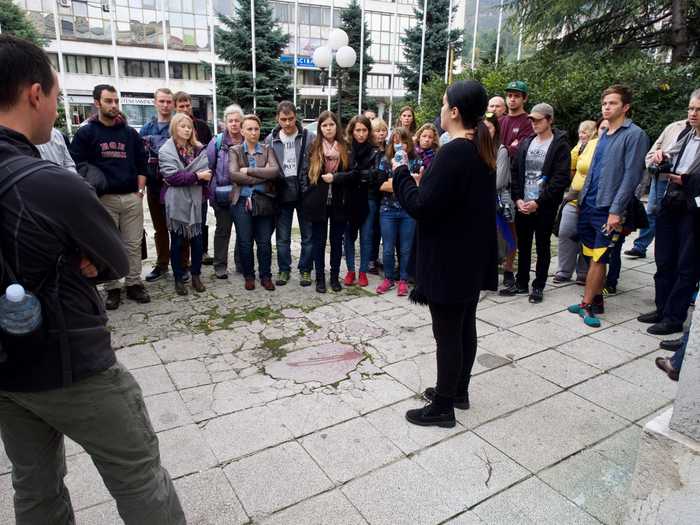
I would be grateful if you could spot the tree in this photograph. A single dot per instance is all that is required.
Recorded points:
(569, 25)
(273, 78)
(14, 21)
(436, 42)
(351, 23)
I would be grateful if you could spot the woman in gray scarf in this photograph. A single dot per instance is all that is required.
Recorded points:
(185, 170)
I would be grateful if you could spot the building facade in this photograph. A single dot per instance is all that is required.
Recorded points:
(121, 42)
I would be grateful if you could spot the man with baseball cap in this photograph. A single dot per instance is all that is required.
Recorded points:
(540, 175)
(515, 127)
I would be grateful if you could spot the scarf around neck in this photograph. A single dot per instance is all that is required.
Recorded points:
(361, 153)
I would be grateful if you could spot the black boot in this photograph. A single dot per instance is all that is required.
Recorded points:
(321, 283)
(180, 287)
(461, 401)
(439, 413)
(335, 283)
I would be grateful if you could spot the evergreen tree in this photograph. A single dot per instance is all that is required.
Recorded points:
(273, 78)
(14, 21)
(436, 41)
(351, 23)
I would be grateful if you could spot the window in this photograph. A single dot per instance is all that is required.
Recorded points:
(309, 77)
(378, 81)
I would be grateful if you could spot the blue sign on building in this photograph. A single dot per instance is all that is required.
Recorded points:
(301, 61)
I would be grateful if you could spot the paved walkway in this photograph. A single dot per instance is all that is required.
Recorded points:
(288, 407)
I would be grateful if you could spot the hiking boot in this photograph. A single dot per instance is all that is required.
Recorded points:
(266, 283)
(335, 283)
(362, 279)
(609, 291)
(439, 413)
(180, 288)
(305, 279)
(559, 279)
(508, 279)
(650, 318)
(537, 295)
(514, 290)
(672, 345)
(197, 284)
(461, 401)
(664, 363)
(207, 260)
(114, 299)
(665, 328)
(321, 286)
(349, 279)
(635, 253)
(249, 283)
(282, 278)
(385, 286)
(156, 273)
(373, 268)
(136, 292)
(403, 289)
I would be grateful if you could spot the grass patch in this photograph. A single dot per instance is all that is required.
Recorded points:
(274, 346)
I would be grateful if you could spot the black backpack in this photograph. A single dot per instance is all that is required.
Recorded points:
(26, 347)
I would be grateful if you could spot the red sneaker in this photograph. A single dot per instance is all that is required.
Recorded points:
(349, 279)
(387, 284)
(362, 280)
(403, 289)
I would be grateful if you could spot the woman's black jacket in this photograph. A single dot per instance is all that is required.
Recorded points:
(455, 210)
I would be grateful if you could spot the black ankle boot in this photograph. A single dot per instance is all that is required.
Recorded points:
(321, 286)
(439, 413)
(461, 401)
(335, 283)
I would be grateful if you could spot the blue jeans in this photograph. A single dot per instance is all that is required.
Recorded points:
(396, 225)
(283, 236)
(677, 359)
(249, 229)
(196, 250)
(656, 193)
(319, 235)
(366, 240)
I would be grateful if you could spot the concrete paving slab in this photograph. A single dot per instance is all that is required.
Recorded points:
(189, 373)
(630, 341)
(643, 372)
(167, 411)
(184, 451)
(558, 368)
(417, 373)
(621, 397)
(139, 356)
(404, 493)
(185, 347)
(510, 345)
(102, 514)
(276, 478)
(208, 499)
(472, 466)
(7, 510)
(467, 518)
(84, 482)
(557, 427)
(531, 502)
(324, 364)
(596, 353)
(350, 449)
(305, 413)
(153, 380)
(370, 394)
(331, 508)
(546, 332)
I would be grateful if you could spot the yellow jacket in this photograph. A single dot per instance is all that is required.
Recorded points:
(580, 162)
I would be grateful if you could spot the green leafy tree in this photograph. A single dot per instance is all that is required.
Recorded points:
(14, 21)
(436, 42)
(613, 25)
(273, 78)
(351, 23)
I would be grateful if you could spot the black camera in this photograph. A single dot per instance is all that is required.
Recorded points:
(658, 169)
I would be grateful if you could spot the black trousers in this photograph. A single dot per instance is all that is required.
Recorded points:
(540, 226)
(677, 264)
(454, 328)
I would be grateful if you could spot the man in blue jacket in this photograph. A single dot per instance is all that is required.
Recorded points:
(614, 174)
(110, 144)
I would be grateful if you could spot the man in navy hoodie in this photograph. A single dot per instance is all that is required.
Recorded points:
(108, 143)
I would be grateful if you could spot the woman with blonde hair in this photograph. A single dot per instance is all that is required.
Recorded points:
(427, 142)
(185, 169)
(569, 250)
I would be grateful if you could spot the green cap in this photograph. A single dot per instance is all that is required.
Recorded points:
(517, 85)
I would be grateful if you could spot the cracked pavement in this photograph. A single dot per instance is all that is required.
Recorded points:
(288, 407)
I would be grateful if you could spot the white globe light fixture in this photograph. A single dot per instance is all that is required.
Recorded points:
(337, 38)
(322, 57)
(345, 57)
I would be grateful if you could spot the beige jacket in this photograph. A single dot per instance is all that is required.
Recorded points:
(238, 159)
(665, 142)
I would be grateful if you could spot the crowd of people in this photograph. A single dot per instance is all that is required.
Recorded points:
(446, 201)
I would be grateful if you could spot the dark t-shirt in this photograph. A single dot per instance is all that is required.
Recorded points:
(512, 128)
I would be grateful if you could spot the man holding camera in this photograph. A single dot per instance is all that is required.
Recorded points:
(677, 260)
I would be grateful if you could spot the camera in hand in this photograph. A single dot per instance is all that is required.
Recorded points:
(658, 169)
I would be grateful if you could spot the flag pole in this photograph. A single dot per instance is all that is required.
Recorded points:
(422, 51)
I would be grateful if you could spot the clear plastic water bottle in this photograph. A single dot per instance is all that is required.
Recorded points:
(20, 311)
(533, 188)
(399, 154)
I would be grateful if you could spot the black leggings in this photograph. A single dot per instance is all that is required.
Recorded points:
(454, 328)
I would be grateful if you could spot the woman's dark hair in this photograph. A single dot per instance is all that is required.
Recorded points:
(486, 145)
(22, 64)
(493, 119)
(354, 121)
(470, 99)
(414, 125)
(316, 151)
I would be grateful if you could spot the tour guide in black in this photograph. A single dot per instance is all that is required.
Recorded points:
(455, 208)
(54, 230)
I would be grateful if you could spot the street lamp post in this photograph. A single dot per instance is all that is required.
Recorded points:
(345, 58)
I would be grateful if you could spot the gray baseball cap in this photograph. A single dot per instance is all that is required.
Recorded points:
(542, 110)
